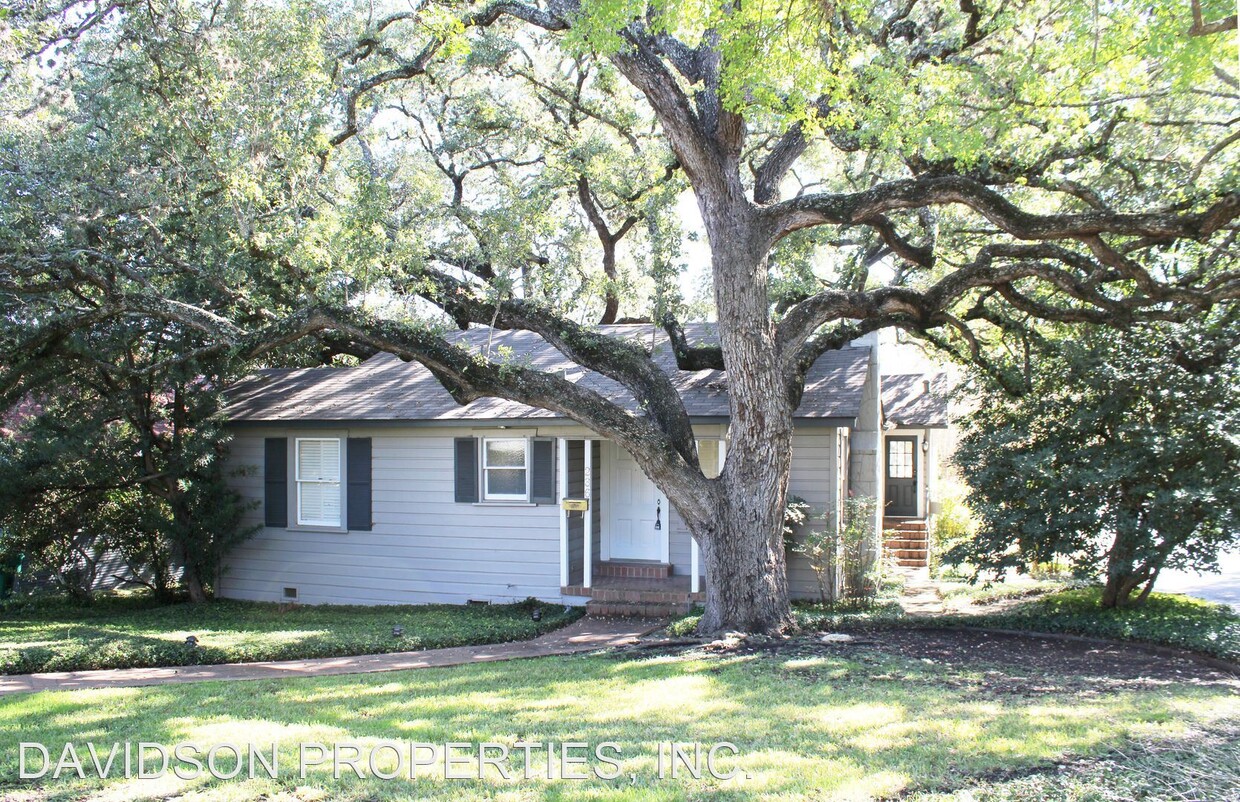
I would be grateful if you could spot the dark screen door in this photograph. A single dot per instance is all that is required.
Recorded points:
(901, 476)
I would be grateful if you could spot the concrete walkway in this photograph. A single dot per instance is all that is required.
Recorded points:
(921, 594)
(584, 635)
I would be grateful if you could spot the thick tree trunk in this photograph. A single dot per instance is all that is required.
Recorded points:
(746, 574)
(1117, 592)
(743, 547)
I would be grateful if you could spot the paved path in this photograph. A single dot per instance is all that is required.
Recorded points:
(921, 594)
(584, 635)
(1222, 587)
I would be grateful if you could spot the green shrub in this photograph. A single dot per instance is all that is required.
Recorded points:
(1165, 619)
(812, 617)
(951, 526)
(842, 561)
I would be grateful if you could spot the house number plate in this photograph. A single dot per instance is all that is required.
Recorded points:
(576, 504)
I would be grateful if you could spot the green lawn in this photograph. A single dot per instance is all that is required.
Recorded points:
(809, 725)
(132, 631)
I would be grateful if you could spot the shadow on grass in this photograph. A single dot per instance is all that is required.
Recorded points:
(817, 726)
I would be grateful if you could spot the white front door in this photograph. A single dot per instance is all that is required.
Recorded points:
(635, 509)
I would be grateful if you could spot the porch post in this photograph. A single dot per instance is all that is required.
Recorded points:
(588, 515)
(695, 551)
(695, 559)
(562, 472)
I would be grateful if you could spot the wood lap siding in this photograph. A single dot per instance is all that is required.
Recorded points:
(424, 547)
(814, 478)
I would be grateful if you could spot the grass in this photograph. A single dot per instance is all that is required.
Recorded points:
(808, 726)
(1201, 764)
(1164, 618)
(128, 631)
(962, 596)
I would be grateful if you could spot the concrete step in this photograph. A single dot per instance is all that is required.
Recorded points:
(617, 609)
(631, 569)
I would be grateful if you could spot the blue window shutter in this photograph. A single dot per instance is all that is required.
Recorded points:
(466, 469)
(357, 495)
(542, 470)
(275, 481)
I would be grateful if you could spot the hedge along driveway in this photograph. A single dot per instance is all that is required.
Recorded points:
(134, 632)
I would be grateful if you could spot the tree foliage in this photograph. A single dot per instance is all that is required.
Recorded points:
(1121, 458)
(121, 459)
(255, 175)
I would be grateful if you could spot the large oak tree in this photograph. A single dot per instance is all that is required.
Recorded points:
(955, 169)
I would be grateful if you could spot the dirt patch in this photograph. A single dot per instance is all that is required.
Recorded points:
(998, 664)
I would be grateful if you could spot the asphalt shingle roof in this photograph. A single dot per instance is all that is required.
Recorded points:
(917, 399)
(384, 388)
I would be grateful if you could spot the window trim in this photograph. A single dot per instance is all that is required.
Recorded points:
(298, 481)
(487, 496)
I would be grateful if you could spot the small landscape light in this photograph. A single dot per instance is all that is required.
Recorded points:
(398, 632)
(537, 614)
(191, 642)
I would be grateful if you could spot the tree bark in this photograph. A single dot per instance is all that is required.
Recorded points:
(1124, 576)
(743, 547)
(743, 552)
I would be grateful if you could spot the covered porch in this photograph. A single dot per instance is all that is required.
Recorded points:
(623, 550)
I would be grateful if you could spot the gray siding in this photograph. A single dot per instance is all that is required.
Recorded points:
(423, 547)
(817, 455)
(426, 548)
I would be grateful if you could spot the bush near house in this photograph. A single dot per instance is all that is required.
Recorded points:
(134, 631)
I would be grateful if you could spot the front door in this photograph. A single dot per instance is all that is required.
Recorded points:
(637, 514)
(901, 492)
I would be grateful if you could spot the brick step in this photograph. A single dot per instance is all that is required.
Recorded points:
(905, 543)
(639, 596)
(911, 563)
(908, 554)
(634, 570)
(607, 609)
(922, 536)
(904, 526)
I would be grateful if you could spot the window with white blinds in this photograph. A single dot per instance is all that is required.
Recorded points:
(318, 481)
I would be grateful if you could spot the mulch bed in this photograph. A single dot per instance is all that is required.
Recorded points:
(1012, 664)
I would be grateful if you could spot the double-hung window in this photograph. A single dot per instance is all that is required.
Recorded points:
(505, 469)
(318, 481)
